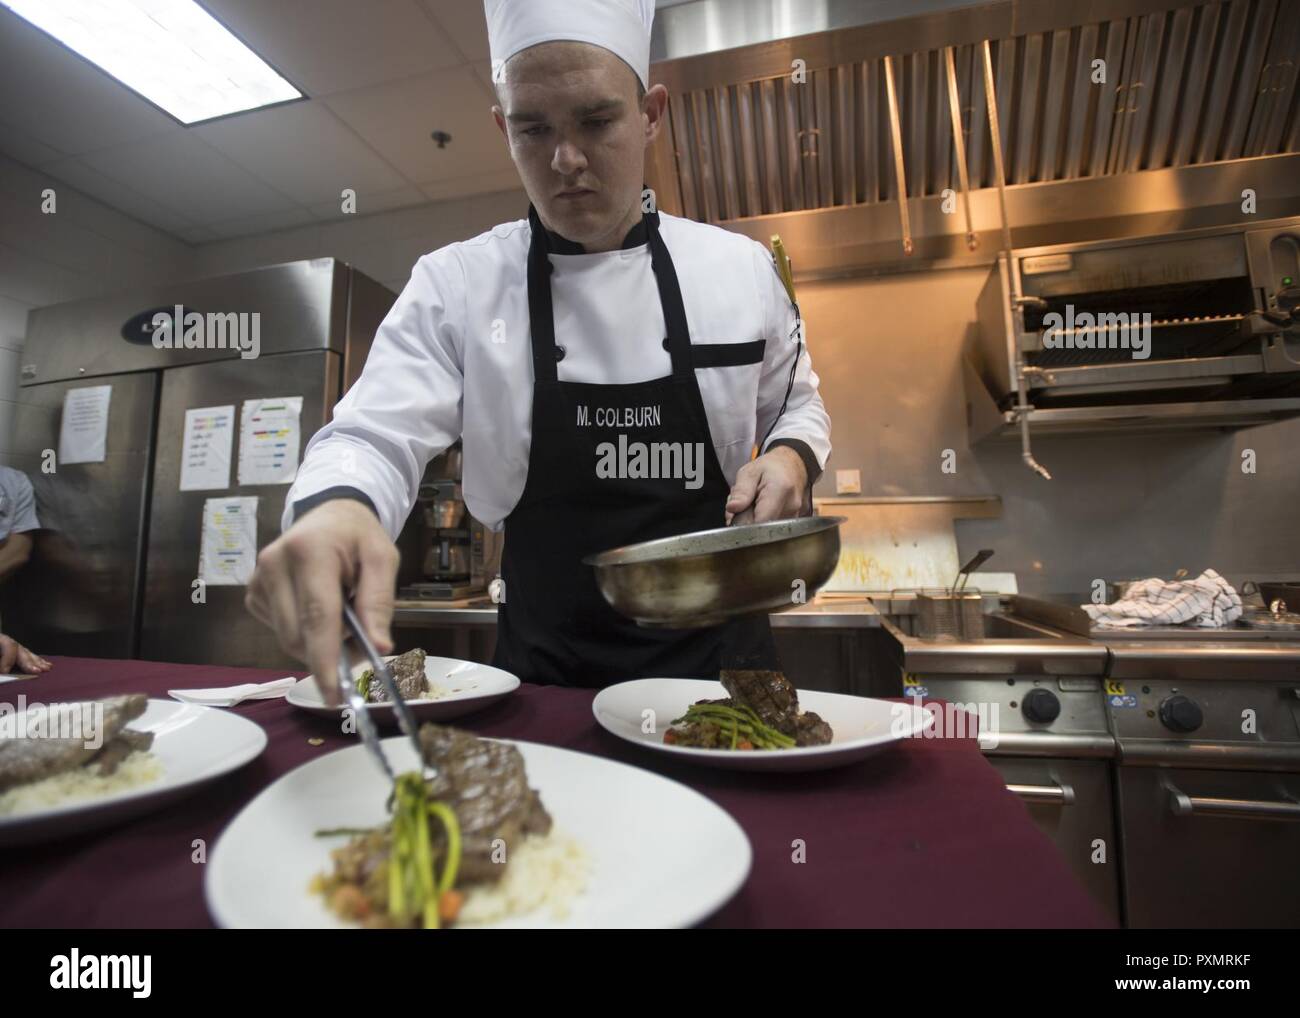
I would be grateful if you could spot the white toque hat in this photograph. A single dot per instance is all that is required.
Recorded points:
(620, 26)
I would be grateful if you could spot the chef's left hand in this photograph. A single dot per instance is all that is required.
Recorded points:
(13, 653)
(771, 487)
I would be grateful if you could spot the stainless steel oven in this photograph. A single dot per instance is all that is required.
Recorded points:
(1039, 695)
(1207, 774)
(1208, 783)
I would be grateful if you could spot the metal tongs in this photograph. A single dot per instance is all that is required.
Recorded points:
(365, 725)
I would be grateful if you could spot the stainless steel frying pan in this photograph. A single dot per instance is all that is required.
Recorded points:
(710, 576)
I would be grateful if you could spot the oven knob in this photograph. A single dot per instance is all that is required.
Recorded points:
(1041, 705)
(1180, 714)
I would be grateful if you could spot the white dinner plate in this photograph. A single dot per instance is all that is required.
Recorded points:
(466, 687)
(193, 744)
(861, 726)
(659, 854)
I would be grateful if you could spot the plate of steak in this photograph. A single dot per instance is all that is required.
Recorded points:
(68, 768)
(545, 837)
(435, 688)
(755, 721)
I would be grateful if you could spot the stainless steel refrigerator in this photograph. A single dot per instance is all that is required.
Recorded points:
(114, 566)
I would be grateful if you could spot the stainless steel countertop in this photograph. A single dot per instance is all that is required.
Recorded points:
(1024, 648)
(830, 613)
(1021, 646)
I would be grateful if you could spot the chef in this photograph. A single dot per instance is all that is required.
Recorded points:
(610, 368)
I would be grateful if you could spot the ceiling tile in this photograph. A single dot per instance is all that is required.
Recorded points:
(499, 206)
(18, 144)
(261, 224)
(480, 183)
(66, 103)
(483, 68)
(240, 253)
(328, 46)
(34, 281)
(368, 203)
(397, 119)
(191, 177)
(114, 193)
(197, 234)
(13, 322)
(464, 22)
(303, 151)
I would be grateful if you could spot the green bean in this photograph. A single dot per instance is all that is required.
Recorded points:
(738, 720)
(355, 832)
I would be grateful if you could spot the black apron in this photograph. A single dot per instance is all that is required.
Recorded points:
(554, 627)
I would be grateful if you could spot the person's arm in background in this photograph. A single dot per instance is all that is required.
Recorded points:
(361, 473)
(15, 550)
(13, 655)
(16, 546)
(793, 428)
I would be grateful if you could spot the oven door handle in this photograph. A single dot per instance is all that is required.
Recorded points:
(1044, 795)
(1183, 805)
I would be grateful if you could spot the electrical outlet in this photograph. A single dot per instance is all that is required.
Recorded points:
(848, 482)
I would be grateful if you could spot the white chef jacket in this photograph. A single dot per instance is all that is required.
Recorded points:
(453, 359)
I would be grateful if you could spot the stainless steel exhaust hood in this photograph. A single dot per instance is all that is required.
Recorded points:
(780, 121)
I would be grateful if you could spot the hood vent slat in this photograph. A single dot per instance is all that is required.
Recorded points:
(1195, 84)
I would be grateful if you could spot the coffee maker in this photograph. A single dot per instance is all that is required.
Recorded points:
(459, 556)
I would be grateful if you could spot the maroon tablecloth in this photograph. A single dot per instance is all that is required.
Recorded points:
(924, 835)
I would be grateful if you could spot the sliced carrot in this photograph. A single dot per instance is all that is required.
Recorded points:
(449, 905)
(350, 901)
(670, 737)
(744, 744)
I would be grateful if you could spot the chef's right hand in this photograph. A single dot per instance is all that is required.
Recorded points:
(298, 586)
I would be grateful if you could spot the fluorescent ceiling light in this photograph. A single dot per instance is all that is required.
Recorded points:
(172, 52)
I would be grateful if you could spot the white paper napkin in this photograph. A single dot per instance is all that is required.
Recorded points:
(228, 696)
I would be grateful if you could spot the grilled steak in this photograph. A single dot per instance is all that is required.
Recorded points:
(126, 743)
(485, 783)
(811, 730)
(408, 673)
(770, 695)
(24, 760)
